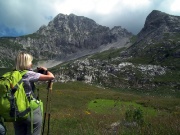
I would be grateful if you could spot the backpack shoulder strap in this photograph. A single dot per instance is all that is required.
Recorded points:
(23, 72)
(13, 90)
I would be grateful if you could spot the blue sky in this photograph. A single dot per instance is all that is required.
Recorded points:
(21, 17)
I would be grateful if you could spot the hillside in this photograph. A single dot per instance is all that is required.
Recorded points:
(81, 109)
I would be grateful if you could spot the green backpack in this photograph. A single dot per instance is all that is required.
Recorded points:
(14, 104)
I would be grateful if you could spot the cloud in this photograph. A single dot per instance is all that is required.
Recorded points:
(175, 6)
(26, 16)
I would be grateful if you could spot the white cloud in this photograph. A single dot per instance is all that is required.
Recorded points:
(29, 15)
(85, 6)
(135, 4)
(175, 6)
(69, 6)
(105, 7)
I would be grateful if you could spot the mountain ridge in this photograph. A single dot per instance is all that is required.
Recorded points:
(67, 37)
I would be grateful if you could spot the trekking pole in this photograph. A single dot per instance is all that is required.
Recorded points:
(48, 106)
(49, 109)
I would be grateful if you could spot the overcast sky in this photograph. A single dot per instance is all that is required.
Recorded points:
(21, 17)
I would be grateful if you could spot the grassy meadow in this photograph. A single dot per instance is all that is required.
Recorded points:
(82, 109)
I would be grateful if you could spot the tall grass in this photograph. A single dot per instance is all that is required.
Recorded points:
(78, 108)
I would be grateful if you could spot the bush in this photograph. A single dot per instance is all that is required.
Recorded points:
(134, 115)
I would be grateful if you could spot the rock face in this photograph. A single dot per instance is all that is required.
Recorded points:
(70, 36)
(157, 23)
(158, 41)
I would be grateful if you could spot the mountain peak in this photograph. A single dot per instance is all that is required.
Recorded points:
(157, 23)
(155, 15)
(71, 34)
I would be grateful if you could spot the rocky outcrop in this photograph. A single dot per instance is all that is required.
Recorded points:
(115, 74)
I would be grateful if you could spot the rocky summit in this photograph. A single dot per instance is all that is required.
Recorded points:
(158, 41)
(66, 37)
(157, 23)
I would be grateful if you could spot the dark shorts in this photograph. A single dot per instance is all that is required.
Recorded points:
(2, 130)
(25, 128)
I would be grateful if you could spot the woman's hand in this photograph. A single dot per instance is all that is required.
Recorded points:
(45, 74)
(42, 70)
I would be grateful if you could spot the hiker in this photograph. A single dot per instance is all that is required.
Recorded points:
(24, 62)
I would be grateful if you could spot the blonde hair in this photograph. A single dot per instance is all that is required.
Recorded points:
(23, 61)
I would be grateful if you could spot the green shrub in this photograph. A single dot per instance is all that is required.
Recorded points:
(134, 115)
